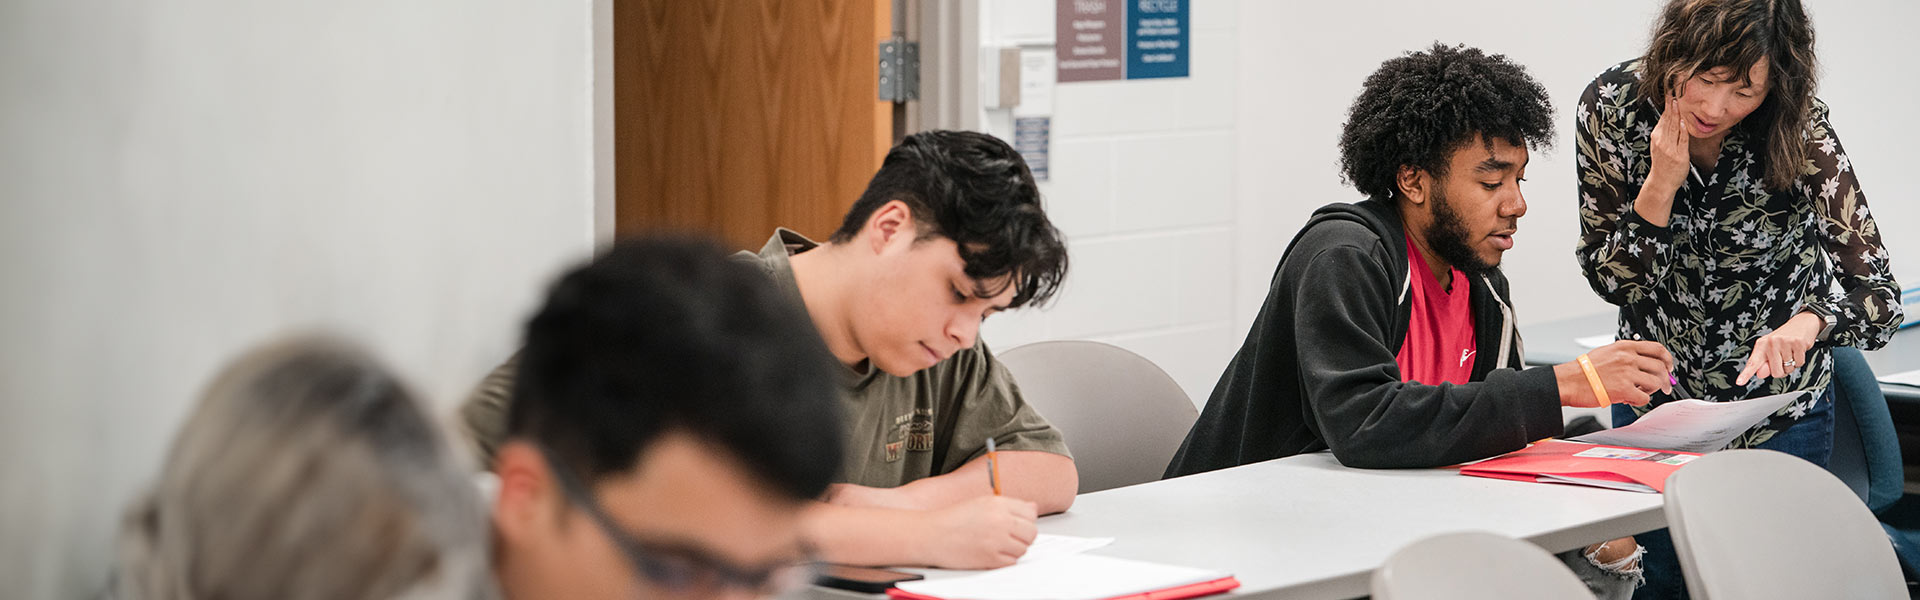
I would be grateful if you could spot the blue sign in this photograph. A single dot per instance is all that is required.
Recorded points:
(1031, 136)
(1157, 38)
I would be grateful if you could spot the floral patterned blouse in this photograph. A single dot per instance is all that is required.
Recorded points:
(1736, 259)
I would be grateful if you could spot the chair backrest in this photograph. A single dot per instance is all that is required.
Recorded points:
(1866, 447)
(1758, 524)
(1474, 565)
(1122, 416)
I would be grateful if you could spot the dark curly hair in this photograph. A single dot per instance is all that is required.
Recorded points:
(973, 189)
(1699, 35)
(1419, 108)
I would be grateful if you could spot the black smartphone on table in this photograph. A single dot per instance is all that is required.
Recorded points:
(866, 580)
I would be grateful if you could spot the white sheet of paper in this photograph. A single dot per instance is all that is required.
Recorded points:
(1903, 378)
(1047, 545)
(1071, 577)
(1600, 483)
(1692, 425)
(1594, 341)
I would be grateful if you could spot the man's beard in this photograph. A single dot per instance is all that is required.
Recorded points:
(1447, 235)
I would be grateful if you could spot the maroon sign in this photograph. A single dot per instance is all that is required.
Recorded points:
(1090, 39)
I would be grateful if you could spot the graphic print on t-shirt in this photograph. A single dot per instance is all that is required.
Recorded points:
(913, 432)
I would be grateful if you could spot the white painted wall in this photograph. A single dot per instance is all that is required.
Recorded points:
(1144, 188)
(180, 179)
(1178, 196)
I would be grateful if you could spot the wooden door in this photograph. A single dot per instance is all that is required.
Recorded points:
(733, 117)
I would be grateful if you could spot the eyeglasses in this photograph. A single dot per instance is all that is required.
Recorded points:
(684, 573)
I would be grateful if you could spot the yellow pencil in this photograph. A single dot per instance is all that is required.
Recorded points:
(993, 468)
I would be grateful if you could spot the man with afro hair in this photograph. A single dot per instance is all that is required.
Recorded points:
(1388, 335)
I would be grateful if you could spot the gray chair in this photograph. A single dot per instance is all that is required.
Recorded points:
(1475, 565)
(1122, 416)
(1758, 524)
(1866, 448)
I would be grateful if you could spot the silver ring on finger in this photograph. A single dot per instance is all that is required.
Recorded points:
(1789, 364)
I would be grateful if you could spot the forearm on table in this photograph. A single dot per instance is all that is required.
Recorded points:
(1046, 479)
(865, 536)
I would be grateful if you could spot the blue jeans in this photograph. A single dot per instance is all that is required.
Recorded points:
(1810, 438)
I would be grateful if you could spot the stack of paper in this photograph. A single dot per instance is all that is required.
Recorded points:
(1072, 577)
(1692, 425)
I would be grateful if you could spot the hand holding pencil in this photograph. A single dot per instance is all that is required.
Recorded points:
(983, 532)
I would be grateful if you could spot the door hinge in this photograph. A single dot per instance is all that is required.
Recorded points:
(899, 70)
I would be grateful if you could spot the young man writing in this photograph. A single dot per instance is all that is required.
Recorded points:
(948, 232)
(1388, 336)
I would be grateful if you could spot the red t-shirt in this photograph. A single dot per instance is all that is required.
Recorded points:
(1440, 346)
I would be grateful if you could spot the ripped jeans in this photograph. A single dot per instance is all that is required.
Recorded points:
(1610, 581)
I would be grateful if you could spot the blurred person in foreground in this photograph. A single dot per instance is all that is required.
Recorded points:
(306, 472)
(674, 417)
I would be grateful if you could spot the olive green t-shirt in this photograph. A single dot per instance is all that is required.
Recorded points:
(899, 429)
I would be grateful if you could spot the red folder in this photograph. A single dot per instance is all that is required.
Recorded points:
(1195, 590)
(1561, 461)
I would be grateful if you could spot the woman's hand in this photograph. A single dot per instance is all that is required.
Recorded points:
(1783, 351)
(1667, 149)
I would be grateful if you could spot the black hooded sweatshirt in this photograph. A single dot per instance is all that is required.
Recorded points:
(1317, 371)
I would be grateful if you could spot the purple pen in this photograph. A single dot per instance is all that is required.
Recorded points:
(1671, 378)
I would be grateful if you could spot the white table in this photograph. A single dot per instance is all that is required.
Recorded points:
(1306, 527)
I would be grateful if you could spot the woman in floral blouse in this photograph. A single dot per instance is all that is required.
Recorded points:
(1717, 210)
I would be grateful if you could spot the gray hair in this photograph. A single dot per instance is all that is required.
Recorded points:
(307, 472)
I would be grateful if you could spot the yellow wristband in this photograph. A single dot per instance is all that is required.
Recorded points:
(1593, 377)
